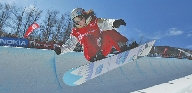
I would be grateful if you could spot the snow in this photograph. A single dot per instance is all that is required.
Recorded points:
(40, 71)
(181, 85)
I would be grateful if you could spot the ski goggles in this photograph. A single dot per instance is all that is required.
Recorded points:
(77, 19)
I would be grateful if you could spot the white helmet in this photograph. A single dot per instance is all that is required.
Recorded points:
(77, 12)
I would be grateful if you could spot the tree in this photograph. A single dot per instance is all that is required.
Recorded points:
(32, 15)
(4, 15)
(49, 23)
(56, 28)
(67, 29)
(18, 19)
(23, 18)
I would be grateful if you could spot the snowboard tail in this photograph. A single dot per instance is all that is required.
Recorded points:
(84, 73)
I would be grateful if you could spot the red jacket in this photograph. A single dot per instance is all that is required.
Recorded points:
(91, 29)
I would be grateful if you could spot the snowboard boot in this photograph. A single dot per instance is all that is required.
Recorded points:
(114, 51)
(57, 50)
(123, 46)
(97, 57)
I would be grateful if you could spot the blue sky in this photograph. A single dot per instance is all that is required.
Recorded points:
(169, 22)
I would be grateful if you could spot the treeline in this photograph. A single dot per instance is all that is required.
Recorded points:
(15, 20)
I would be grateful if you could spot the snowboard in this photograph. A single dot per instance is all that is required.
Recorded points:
(79, 75)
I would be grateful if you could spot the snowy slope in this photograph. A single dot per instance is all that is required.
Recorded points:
(40, 71)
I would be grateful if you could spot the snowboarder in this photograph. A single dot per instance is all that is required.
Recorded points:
(97, 35)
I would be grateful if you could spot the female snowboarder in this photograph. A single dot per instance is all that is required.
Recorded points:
(97, 35)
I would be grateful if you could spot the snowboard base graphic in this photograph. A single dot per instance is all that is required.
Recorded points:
(84, 73)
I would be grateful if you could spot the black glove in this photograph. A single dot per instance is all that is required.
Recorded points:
(118, 22)
(57, 50)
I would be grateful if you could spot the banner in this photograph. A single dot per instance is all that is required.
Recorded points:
(13, 42)
(30, 29)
